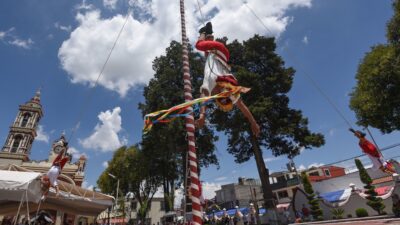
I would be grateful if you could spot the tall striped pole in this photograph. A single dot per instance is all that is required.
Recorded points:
(190, 128)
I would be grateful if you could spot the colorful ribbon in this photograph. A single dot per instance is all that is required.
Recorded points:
(167, 115)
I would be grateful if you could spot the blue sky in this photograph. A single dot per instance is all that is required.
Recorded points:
(60, 46)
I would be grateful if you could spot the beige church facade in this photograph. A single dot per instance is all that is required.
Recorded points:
(15, 154)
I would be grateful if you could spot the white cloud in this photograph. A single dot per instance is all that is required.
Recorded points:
(84, 6)
(178, 197)
(9, 37)
(76, 154)
(332, 132)
(110, 4)
(209, 189)
(270, 159)
(237, 21)
(220, 178)
(84, 53)
(315, 165)
(7, 33)
(105, 135)
(105, 164)
(305, 40)
(86, 185)
(41, 135)
(301, 167)
(61, 27)
(26, 44)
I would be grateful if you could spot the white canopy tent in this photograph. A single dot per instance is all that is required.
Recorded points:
(20, 191)
(14, 185)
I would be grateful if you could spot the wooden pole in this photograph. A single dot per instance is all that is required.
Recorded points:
(190, 128)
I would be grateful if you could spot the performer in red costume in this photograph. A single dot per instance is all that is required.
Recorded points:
(372, 152)
(50, 179)
(217, 77)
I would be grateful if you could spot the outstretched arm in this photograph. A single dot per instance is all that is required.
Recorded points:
(255, 128)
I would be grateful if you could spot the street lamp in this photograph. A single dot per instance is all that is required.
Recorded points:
(116, 199)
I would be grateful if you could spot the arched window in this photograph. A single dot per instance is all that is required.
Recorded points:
(17, 141)
(25, 119)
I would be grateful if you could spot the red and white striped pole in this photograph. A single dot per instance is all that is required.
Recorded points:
(190, 128)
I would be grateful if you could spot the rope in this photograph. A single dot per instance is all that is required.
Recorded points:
(344, 160)
(19, 208)
(329, 164)
(201, 13)
(27, 206)
(316, 86)
(37, 211)
(89, 96)
(373, 139)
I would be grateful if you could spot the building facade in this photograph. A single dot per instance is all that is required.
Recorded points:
(17, 148)
(246, 191)
(18, 144)
(283, 185)
(132, 206)
(321, 173)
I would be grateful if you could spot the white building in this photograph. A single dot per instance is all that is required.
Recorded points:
(247, 190)
(156, 212)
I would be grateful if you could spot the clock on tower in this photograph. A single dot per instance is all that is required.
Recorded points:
(59, 145)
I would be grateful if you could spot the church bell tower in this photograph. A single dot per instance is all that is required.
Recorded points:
(22, 132)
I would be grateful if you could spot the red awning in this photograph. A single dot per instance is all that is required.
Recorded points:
(382, 190)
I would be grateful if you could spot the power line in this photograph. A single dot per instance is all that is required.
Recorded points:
(201, 13)
(90, 94)
(316, 86)
(344, 160)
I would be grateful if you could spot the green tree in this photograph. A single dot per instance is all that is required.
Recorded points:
(313, 201)
(375, 99)
(134, 171)
(374, 202)
(166, 143)
(283, 129)
(393, 31)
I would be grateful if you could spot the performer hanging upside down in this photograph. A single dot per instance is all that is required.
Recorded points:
(50, 179)
(373, 153)
(217, 78)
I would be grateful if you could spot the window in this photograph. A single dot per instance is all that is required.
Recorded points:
(283, 194)
(327, 172)
(17, 141)
(162, 206)
(281, 179)
(133, 206)
(25, 119)
(314, 174)
(271, 181)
